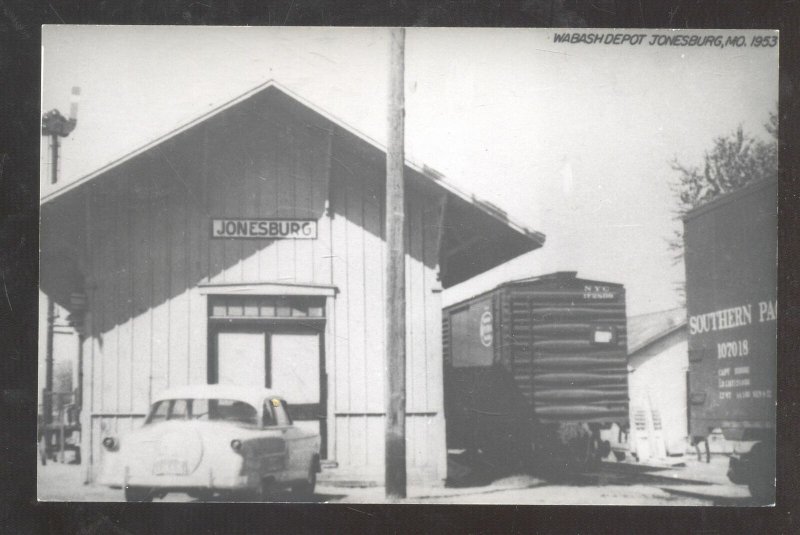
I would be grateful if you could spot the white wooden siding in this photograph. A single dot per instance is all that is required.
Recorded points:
(149, 319)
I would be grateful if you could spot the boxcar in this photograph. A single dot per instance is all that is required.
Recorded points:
(731, 280)
(534, 369)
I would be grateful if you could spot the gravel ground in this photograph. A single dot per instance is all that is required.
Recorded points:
(615, 484)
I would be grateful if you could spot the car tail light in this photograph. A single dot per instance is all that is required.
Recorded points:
(109, 443)
(236, 445)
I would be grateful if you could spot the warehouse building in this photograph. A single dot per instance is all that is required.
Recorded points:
(659, 362)
(246, 246)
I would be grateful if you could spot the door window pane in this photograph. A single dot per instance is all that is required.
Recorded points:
(219, 309)
(267, 308)
(241, 357)
(295, 366)
(251, 307)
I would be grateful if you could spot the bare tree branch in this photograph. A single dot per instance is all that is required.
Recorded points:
(733, 161)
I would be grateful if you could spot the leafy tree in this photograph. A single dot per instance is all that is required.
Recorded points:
(732, 162)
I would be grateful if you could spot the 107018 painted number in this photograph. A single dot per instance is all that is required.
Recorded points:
(737, 348)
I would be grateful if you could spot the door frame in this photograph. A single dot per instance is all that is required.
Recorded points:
(269, 327)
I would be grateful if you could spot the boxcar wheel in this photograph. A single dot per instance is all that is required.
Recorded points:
(263, 491)
(138, 494)
(584, 454)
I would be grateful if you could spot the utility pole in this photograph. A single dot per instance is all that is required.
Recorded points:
(55, 126)
(395, 277)
(47, 399)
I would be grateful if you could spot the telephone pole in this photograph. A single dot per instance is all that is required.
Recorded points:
(55, 126)
(395, 461)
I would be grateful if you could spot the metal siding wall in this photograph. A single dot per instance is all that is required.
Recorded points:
(350, 398)
(160, 279)
(110, 377)
(216, 188)
(141, 336)
(124, 300)
(178, 322)
(339, 228)
(356, 299)
(359, 316)
(285, 196)
(434, 426)
(233, 195)
(267, 186)
(304, 185)
(416, 365)
(100, 281)
(374, 306)
(198, 244)
(321, 172)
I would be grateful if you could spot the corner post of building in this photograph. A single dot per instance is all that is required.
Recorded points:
(395, 453)
(86, 384)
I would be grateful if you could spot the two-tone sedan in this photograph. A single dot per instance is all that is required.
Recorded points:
(213, 439)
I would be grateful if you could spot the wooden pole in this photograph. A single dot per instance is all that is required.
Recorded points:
(395, 278)
(54, 157)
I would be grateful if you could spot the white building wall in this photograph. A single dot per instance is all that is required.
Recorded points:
(658, 382)
(149, 251)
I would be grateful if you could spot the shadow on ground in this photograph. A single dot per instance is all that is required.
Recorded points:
(469, 470)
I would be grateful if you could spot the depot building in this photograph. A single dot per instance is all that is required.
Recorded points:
(247, 247)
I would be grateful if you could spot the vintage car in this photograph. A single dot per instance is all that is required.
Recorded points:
(213, 439)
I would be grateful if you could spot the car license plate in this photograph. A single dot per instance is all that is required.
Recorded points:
(172, 467)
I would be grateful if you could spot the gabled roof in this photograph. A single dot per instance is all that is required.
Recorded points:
(477, 235)
(567, 276)
(558, 275)
(423, 170)
(646, 329)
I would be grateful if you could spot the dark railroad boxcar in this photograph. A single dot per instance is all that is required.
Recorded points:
(731, 280)
(534, 369)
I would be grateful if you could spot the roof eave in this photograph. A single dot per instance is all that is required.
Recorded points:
(427, 172)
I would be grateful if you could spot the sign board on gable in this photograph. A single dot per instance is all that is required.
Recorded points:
(267, 229)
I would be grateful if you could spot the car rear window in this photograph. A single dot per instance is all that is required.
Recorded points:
(227, 410)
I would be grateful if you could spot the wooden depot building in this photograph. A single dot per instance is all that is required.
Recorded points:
(247, 247)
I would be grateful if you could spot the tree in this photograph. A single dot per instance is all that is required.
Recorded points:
(733, 161)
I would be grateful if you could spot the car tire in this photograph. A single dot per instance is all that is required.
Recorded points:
(305, 489)
(138, 494)
(263, 491)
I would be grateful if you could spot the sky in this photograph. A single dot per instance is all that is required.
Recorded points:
(572, 140)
